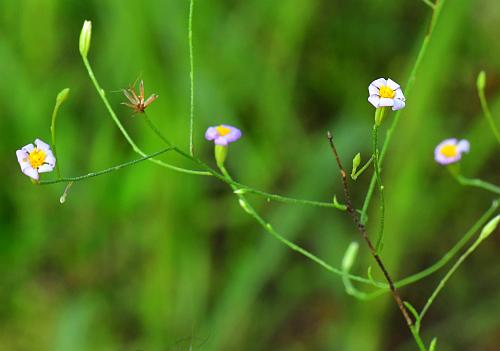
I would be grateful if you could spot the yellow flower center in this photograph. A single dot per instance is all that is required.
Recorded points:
(386, 92)
(223, 130)
(37, 158)
(449, 151)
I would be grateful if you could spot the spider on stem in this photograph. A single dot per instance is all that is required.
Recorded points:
(137, 102)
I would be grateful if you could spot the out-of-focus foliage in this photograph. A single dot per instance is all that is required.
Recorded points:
(147, 259)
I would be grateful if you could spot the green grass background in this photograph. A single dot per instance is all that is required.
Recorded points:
(148, 259)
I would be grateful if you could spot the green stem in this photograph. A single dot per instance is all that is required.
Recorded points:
(376, 164)
(418, 340)
(409, 85)
(478, 183)
(61, 97)
(248, 208)
(284, 199)
(443, 281)
(191, 77)
(486, 110)
(453, 251)
(112, 113)
(241, 188)
(105, 171)
(443, 260)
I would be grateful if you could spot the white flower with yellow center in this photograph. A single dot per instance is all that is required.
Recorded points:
(35, 159)
(386, 93)
(450, 151)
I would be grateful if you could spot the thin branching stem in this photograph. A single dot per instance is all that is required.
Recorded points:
(448, 275)
(478, 183)
(237, 187)
(362, 230)
(105, 171)
(445, 258)
(248, 208)
(240, 188)
(486, 109)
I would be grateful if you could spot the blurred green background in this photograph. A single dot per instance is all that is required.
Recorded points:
(148, 259)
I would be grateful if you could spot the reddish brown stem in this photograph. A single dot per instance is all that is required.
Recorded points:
(362, 229)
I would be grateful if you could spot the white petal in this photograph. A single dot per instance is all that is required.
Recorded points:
(30, 172)
(374, 100)
(28, 148)
(399, 95)
(24, 165)
(21, 155)
(386, 102)
(379, 82)
(211, 133)
(45, 168)
(446, 160)
(398, 104)
(373, 90)
(463, 146)
(50, 158)
(392, 84)
(42, 145)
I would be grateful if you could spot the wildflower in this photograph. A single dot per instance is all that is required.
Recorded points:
(36, 159)
(386, 93)
(223, 134)
(450, 151)
(137, 102)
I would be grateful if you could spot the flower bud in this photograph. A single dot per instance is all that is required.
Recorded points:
(85, 36)
(350, 256)
(489, 227)
(62, 96)
(355, 164)
(244, 206)
(481, 80)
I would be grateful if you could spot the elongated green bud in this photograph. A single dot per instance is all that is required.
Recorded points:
(62, 96)
(489, 227)
(85, 36)
(355, 164)
(432, 346)
(481, 80)
(350, 256)
(244, 206)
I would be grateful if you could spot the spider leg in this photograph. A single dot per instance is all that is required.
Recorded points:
(141, 90)
(131, 98)
(132, 106)
(150, 100)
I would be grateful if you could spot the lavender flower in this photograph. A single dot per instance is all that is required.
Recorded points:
(36, 159)
(450, 151)
(223, 134)
(386, 93)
